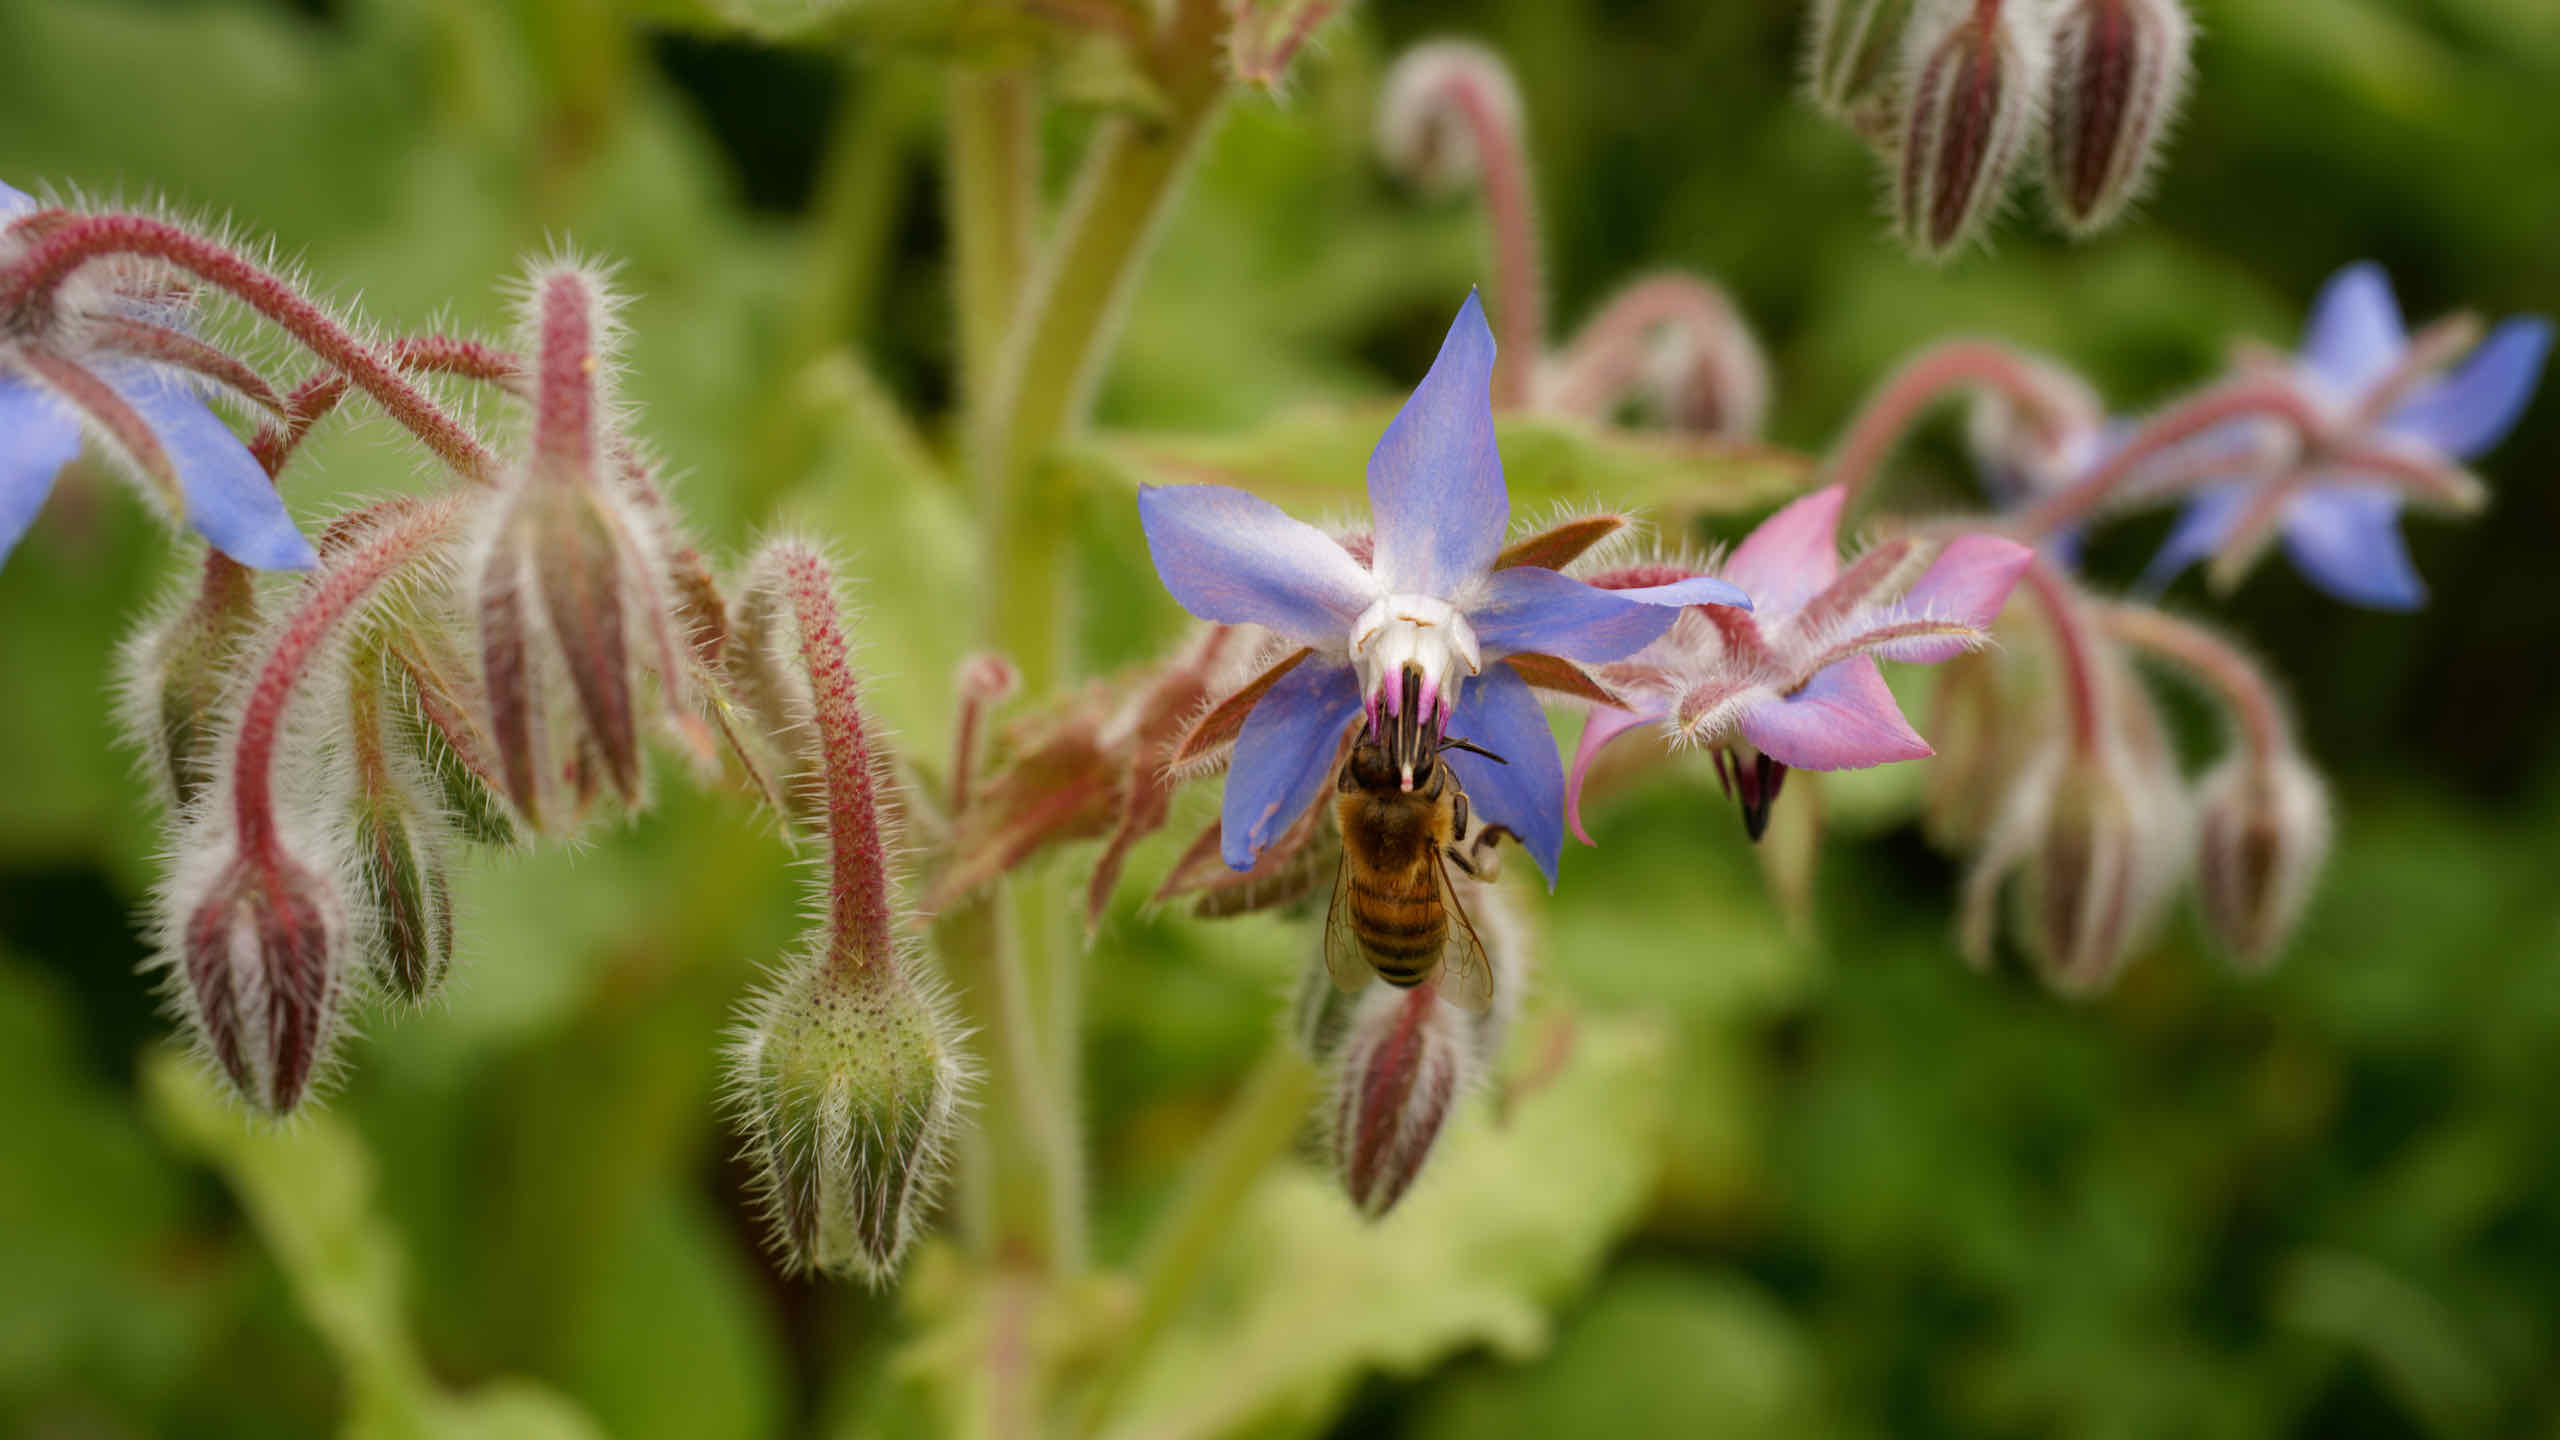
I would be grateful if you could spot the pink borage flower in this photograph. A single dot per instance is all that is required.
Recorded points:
(1794, 683)
(1409, 640)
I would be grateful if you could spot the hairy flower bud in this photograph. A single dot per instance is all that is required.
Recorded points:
(1973, 77)
(848, 1086)
(259, 967)
(175, 671)
(2119, 71)
(408, 897)
(2262, 838)
(1400, 1067)
(1854, 61)
(2092, 839)
(568, 587)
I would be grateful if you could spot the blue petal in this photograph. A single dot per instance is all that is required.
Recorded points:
(37, 438)
(2472, 409)
(1435, 480)
(14, 201)
(2200, 531)
(1696, 590)
(1239, 559)
(230, 500)
(1526, 795)
(1284, 756)
(2355, 332)
(2347, 541)
(1529, 610)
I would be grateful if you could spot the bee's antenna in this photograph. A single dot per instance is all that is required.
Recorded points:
(1472, 748)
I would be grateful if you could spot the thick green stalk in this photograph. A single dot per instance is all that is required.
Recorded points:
(1254, 1133)
(1021, 1163)
(993, 145)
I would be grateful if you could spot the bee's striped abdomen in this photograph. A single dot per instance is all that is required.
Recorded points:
(1402, 926)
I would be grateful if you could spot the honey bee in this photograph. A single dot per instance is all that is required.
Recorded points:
(1394, 911)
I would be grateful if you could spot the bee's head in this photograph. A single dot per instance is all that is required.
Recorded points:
(1380, 765)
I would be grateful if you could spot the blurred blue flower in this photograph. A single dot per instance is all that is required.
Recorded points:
(228, 498)
(1400, 637)
(2343, 530)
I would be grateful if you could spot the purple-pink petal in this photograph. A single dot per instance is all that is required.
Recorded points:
(1284, 757)
(38, 436)
(1241, 560)
(1969, 582)
(2346, 540)
(1529, 610)
(2468, 412)
(1696, 590)
(1602, 726)
(1793, 555)
(1435, 480)
(1525, 794)
(2355, 334)
(1843, 719)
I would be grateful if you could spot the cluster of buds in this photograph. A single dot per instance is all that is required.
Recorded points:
(1955, 95)
(848, 1073)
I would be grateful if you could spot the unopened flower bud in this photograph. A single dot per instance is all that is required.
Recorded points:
(1976, 734)
(2119, 71)
(2262, 838)
(1973, 77)
(566, 584)
(1399, 1071)
(433, 710)
(848, 1087)
(175, 671)
(407, 894)
(259, 967)
(2090, 836)
(1854, 61)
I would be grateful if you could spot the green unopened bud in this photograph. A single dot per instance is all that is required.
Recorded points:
(848, 1086)
(408, 899)
(174, 674)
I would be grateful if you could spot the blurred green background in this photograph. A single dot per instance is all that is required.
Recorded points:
(1825, 1183)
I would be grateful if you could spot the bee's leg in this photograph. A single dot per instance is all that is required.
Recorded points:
(1458, 815)
(1459, 857)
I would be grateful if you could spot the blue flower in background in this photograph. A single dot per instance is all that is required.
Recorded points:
(1415, 633)
(2342, 530)
(227, 497)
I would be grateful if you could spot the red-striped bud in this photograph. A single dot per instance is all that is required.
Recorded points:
(259, 967)
(2095, 843)
(2262, 839)
(1973, 77)
(2119, 71)
(1401, 1065)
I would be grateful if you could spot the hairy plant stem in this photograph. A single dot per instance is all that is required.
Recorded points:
(2259, 713)
(2083, 696)
(1927, 378)
(1012, 954)
(1254, 1133)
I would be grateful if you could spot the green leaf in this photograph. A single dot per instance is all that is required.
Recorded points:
(307, 1189)
(1508, 1223)
(1313, 461)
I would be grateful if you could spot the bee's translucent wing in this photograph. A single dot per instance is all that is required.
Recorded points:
(1345, 958)
(1466, 976)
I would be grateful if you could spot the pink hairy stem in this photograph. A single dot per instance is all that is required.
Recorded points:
(1927, 378)
(2266, 725)
(68, 246)
(858, 912)
(2271, 397)
(338, 592)
(2083, 699)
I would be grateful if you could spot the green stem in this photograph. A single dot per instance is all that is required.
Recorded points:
(1256, 1131)
(857, 201)
(994, 175)
(1019, 1184)
(1067, 318)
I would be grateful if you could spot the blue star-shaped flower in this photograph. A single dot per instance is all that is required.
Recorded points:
(2342, 530)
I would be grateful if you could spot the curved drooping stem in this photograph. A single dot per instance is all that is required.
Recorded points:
(1925, 379)
(2075, 651)
(65, 247)
(340, 591)
(2255, 397)
(2264, 722)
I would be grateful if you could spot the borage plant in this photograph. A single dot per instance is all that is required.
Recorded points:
(495, 662)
